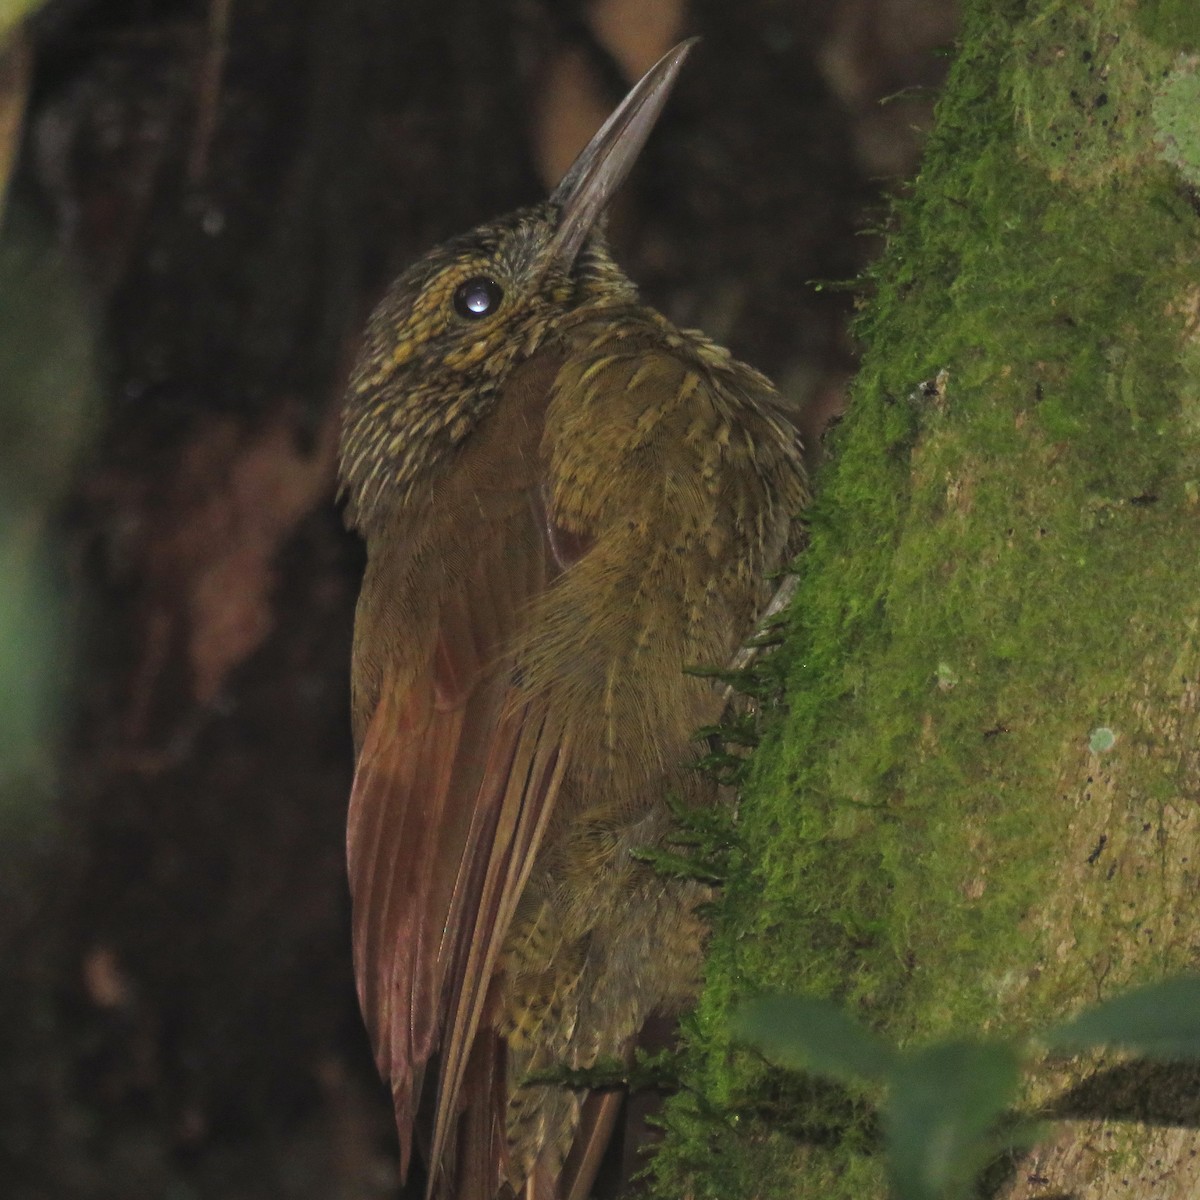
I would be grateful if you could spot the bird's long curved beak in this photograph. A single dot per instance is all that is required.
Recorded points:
(602, 165)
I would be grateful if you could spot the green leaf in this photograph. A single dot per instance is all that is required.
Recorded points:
(941, 1113)
(1159, 1021)
(809, 1034)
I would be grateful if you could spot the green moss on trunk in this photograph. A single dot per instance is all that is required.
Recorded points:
(993, 656)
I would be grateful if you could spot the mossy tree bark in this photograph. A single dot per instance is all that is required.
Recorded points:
(977, 811)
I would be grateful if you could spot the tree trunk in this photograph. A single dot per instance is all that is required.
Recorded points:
(977, 810)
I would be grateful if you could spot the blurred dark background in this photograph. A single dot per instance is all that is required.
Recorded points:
(204, 197)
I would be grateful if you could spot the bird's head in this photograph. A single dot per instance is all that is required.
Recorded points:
(446, 335)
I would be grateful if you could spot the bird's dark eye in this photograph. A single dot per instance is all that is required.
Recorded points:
(478, 297)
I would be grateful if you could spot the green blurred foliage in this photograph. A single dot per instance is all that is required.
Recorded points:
(947, 1110)
(12, 12)
(1160, 1022)
(48, 389)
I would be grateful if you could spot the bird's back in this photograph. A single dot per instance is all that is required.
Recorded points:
(673, 473)
(608, 525)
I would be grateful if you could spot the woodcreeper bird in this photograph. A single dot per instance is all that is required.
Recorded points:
(566, 501)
